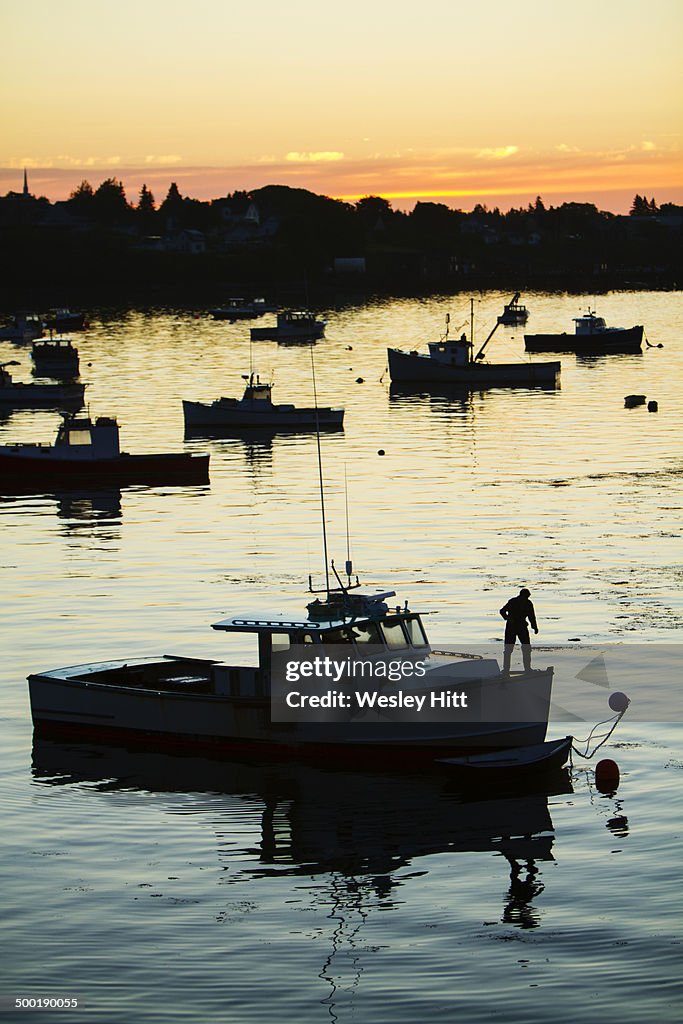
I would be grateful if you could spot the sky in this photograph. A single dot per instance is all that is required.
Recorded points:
(494, 102)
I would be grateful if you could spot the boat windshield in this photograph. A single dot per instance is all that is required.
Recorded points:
(416, 633)
(394, 634)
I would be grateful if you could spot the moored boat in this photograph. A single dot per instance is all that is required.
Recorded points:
(513, 313)
(591, 336)
(451, 362)
(291, 325)
(63, 319)
(256, 410)
(236, 708)
(241, 309)
(17, 395)
(87, 451)
(55, 357)
(24, 327)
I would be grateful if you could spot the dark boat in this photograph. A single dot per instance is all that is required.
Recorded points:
(256, 411)
(55, 357)
(240, 309)
(17, 395)
(66, 320)
(591, 337)
(291, 325)
(542, 757)
(513, 313)
(24, 327)
(451, 362)
(88, 451)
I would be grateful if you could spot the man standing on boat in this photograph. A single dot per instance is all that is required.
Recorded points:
(516, 613)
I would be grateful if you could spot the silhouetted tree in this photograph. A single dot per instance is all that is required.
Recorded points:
(642, 207)
(173, 195)
(81, 199)
(110, 201)
(146, 202)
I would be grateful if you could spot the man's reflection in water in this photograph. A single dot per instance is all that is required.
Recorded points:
(524, 887)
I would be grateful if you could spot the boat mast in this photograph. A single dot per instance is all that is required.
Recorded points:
(320, 475)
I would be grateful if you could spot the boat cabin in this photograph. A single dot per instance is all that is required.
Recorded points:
(451, 352)
(590, 324)
(99, 438)
(256, 390)
(392, 633)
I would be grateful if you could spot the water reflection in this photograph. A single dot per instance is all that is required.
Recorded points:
(86, 511)
(363, 829)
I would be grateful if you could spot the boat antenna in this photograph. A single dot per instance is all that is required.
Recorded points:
(320, 474)
(349, 564)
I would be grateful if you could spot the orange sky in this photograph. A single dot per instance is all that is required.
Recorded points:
(495, 103)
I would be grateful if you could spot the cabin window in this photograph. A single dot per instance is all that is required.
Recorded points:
(416, 633)
(79, 437)
(280, 642)
(337, 636)
(366, 633)
(394, 636)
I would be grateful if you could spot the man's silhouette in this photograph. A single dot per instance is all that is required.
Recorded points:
(516, 613)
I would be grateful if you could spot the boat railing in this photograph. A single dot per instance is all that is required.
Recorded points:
(457, 654)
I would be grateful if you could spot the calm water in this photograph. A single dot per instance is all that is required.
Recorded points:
(156, 889)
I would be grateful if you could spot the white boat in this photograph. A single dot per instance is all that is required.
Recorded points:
(256, 411)
(291, 325)
(17, 395)
(451, 362)
(238, 708)
(591, 336)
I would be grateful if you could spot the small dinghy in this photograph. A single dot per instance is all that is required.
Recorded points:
(541, 757)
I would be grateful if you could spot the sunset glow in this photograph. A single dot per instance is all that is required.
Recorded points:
(494, 104)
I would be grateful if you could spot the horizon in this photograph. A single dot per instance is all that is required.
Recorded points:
(57, 185)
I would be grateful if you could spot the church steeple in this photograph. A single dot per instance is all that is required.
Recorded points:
(26, 191)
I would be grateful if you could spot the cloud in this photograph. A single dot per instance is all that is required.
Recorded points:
(326, 156)
(500, 153)
(648, 147)
(164, 160)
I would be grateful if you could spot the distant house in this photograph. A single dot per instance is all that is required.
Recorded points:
(239, 219)
(187, 240)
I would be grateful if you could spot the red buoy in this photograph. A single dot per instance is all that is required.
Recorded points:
(607, 776)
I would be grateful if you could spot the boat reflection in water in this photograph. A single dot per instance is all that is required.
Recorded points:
(360, 828)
